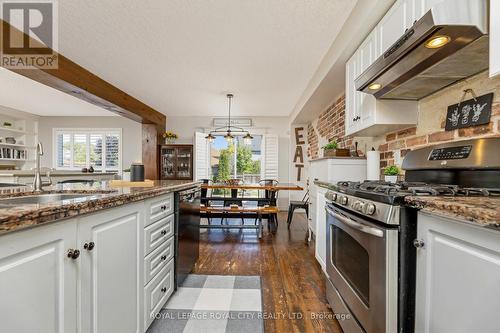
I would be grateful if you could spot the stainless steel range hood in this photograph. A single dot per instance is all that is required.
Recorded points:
(411, 69)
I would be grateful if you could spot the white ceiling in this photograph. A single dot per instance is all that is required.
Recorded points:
(182, 56)
(21, 93)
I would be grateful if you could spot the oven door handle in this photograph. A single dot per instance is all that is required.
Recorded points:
(356, 225)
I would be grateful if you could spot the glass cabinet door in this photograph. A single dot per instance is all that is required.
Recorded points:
(184, 162)
(168, 159)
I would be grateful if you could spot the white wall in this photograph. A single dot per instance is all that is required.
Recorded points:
(185, 127)
(131, 134)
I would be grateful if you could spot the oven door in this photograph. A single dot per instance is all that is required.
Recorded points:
(362, 265)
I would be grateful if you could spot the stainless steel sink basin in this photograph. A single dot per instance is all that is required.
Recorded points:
(46, 198)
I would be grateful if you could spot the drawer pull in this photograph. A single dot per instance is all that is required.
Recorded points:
(164, 232)
(164, 289)
(73, 254)
(163, 257)
(163, 207)
(89, 246)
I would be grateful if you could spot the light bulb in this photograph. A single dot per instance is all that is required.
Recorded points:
(229, 138)
(247, 139)
(210, 138)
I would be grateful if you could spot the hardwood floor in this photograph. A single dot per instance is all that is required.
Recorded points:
(293, 285)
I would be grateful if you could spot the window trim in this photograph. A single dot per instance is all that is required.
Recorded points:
(87, 131)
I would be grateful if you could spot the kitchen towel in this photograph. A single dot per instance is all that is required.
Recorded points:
(373, 165)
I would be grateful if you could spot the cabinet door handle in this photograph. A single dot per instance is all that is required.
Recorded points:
(164, 289)
(89, 246)
(73, 254)
(418, 243)
(164, 232)
(163, 258)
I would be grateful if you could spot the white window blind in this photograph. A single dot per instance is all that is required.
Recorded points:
(270, 157)
(75, 149)
(201, 159)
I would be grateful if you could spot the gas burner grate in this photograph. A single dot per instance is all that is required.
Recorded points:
(478, 192)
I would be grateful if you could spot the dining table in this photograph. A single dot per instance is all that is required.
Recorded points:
(268, 187)
(237, 210)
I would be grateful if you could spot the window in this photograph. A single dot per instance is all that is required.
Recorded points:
(236, 160)
(81, 148)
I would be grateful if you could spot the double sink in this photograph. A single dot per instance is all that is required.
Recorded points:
(39, 199)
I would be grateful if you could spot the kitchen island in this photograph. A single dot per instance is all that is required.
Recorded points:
(82, 258)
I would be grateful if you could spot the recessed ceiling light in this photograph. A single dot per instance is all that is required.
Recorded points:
(375, 86)
(437, 41)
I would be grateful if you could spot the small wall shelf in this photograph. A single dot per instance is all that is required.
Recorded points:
(15, 160)
(3, 144)
(12, 130)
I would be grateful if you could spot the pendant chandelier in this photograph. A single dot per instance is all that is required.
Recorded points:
(229, 130)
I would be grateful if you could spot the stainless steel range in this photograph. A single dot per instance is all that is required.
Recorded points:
(370, 231)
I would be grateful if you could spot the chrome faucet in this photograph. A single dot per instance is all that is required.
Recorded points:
(37, 181)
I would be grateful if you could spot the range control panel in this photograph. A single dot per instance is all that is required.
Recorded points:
(450, 153)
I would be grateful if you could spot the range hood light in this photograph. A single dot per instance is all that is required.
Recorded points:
(375, 86)
(437, 42)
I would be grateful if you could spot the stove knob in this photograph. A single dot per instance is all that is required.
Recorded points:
(331, 196)
(358, 205)
(344, 200)
(370, 209)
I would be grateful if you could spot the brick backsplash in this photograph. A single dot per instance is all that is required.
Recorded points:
(429, 130)
(330, 125)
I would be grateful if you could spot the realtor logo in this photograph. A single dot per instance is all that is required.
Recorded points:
(29, 34)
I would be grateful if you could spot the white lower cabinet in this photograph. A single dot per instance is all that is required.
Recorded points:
(458, 277)
(111, 272)
(108, 284)
(157, 292)
(159, 252)
(38, 282)
(320, 250)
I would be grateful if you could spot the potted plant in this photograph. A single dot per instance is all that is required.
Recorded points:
(170, 137)
(331, 149)
(391, 174)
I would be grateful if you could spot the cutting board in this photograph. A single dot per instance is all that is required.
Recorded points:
(126, 183)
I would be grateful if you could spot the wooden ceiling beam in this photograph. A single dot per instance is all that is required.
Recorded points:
(74, 80)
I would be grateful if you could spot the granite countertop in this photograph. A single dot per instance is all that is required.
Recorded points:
(102, 196)
(31, 173)
(326, 185)
(482, 211)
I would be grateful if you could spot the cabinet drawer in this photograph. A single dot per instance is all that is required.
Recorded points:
(157, 292)
(159, 208)
(157, 233)
(157, 259)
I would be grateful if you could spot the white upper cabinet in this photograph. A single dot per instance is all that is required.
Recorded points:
(365, 115)
(366, 55)
(494, 38)
(351, 93)
(393, 25)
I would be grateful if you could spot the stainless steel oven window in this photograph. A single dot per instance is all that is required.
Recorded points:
(353, 262)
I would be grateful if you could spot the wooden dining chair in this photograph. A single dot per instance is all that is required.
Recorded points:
(271, 197)
(303, 204)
